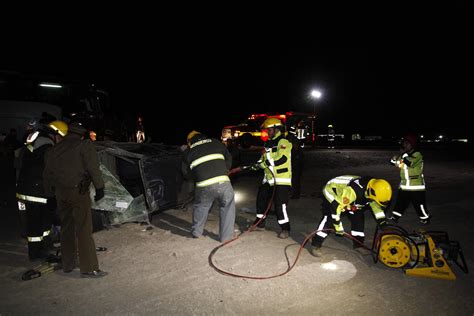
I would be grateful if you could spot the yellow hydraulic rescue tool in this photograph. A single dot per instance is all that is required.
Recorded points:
(423, 254)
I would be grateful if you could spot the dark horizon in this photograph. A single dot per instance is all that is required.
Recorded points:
(369, 91)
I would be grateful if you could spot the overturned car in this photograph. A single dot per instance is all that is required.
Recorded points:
(140, 179)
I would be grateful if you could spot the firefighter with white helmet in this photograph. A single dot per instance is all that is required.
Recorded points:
(351, 195)
(36, 209)
(276, 162)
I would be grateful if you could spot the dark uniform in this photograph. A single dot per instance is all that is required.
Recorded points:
(208, 161)
(70, 166)
(32, 200)
(297, 138)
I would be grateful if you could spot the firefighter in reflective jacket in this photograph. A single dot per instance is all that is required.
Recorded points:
(38, 210)
(412, 185)
(207, 161)
(351, 195)
(276, 162)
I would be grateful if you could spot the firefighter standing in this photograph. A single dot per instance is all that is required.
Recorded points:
(208, 161)
(351, 195)
(70, 167)
(276, 162)
(297, 138)
(412, 185)
(331, 137)
(36, 209)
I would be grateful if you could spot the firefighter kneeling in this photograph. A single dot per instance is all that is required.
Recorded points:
(351, 195)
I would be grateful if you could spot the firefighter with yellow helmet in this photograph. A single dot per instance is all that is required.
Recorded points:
(351, 195)
(207, 162)
(276, 163)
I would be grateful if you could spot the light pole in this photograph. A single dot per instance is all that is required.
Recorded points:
(315, 94)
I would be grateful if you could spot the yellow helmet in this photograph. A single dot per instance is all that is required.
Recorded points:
(271, 122)
(59, 127)
(191, 135)
(380, 191)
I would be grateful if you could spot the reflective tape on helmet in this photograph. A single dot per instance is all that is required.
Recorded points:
(31, 198)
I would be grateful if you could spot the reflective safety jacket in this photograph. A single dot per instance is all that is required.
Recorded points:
(207, 160)
(411, 171)
(349, 194)
(276, 160)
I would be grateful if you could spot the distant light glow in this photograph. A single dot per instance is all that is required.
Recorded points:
(50, 85)
(316, 94)
(329, 266)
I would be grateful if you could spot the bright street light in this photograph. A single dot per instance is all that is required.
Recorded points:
(316, 94)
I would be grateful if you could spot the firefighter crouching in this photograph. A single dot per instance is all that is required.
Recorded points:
(35, 207)
(70, 167)
(351, 195)
(276, 162)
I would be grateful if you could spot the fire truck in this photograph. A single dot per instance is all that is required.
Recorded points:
(248, 133)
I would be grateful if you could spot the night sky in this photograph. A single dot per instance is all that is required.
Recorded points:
(425, 87)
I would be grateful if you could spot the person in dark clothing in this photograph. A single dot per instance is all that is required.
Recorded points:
(207, 161)
(36, 209)
(296, 138)
(70, 167)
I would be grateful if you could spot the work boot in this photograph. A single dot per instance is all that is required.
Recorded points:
(93, 274)
(284, 234)
(315, 251)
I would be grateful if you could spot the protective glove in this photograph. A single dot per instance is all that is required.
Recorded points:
(254, 167)
(99, 194)
(52, 203)
(394, 160)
